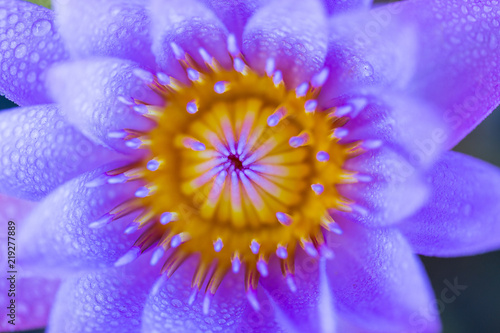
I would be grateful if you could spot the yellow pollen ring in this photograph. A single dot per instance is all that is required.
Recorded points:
(240, 168)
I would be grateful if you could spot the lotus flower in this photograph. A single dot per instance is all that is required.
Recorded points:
(243, 166)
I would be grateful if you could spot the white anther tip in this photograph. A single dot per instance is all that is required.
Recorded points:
(128, 257)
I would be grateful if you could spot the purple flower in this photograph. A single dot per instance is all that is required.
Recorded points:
(243, 166)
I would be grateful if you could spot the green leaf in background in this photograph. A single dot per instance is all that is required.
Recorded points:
(45, 3)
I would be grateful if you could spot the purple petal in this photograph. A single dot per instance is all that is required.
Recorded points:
(378, 282)
(29, 43)
(344, 325)
(310, 307)
(34, 296)
(394, 190)
(41, 151)
(107, 301)
(444, 54)
(458, 55)
(14, 209)
(406, 125)
(168, 310)
(89, 92)
(234, 13)
(362, 53)
(56, 237)
(191, 26)
(336, 6)
(115, 28)
(293, 32)
(462, 215)
(33, 300)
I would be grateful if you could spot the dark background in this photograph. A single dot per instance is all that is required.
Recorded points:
(476, 309)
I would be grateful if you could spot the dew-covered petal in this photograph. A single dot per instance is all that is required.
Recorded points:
(394, 189)
(378, 281)
(29, 44)
(407, 125)
(229, 310)
(90, 93)
(293, 33)
(56, 237)
(458, 58)
(168, 309)
(343, 325)
(402, 137)
(115, 28)
(234, 13)
(336, 6)
(33, 300)
(363, 52)
(310, 307)
(461, 216)
(190, 25)
(107, 301)
(40, 151)
(33, 296)
(444, 53)
(14, 209)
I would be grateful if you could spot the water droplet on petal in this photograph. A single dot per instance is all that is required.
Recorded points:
(31, 77)
(20, 51)
(41, 28)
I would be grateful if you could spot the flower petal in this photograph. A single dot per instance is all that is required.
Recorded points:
(234, 13)
(378, 282)
(29, 43)
(462, 215)
(308, 309)
(168, 309)
(33, 300)
(335, 6)
(406, 125)
(56, 237)
(190, 25)
(229, 311)
(106, 301)
(362, 53)
(293, 32)
(458, 55)
(41, 151)
(33, 295)
(411, 138)
(115, 28)
(14, 209)
(394, 190)
(89, 92)
(448, 63)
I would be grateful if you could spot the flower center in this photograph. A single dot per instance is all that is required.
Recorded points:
(240, 168)
(235, 164)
